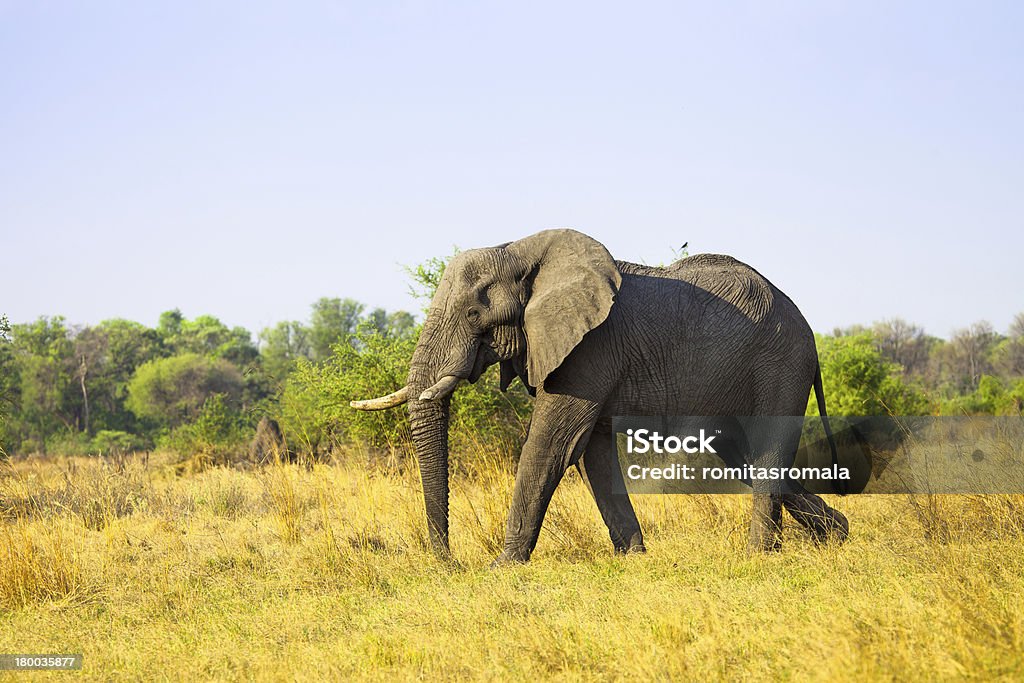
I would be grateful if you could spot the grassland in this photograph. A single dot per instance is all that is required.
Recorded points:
(289, 572)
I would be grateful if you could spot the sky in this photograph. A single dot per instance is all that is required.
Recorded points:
(243, 159)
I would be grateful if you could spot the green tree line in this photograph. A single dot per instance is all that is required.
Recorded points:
(198, 385)
(122, 385)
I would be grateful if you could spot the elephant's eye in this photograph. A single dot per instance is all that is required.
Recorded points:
(473, 314)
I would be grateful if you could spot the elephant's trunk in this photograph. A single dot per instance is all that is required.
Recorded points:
(429, 423)
(428, 394)
(428, 415)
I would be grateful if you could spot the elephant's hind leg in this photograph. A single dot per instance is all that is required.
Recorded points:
(774, 441)
(766, 523)
(600, 469)
(814, 514)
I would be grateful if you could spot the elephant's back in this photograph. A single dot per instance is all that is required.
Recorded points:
(740, 344)
(732, 281)
(721, 282)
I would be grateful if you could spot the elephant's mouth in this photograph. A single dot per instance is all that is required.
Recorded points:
(484, 358)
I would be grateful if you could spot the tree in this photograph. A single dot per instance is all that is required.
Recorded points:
(859, 381)
(207, 336)
(282, 345)
(1017, 327)
(105, 358)
(172, 391)
(426, 276)
(397, 324)
(401, 325)
(968, 355)
(1008, 356)
(169, 325)
(903, 343)
(8, 383)
(90, 355)
(45, 392)
(332, 321)
(992, 397)
(129, 345)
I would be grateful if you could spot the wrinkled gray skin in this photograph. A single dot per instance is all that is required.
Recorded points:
(595, 337)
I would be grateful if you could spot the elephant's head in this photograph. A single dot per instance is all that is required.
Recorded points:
(525, 305)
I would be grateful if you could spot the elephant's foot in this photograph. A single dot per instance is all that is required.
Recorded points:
(764, 541)
(765, 524)
(508, 557)
(823, 523)
(635, 545)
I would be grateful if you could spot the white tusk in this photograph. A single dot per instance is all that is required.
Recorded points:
(389, 401)
(444, 386)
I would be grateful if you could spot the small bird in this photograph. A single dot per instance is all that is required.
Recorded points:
(684, 245)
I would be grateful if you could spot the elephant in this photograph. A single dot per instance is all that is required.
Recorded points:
(592, 338)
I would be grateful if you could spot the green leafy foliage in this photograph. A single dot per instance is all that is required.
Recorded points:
(8, 380)
(120, 385)
(426, 276)
(858, 381)
(43, 396)
(314, 406)
(207, 336)
(172, 391)
(993, 396)
(281, 346)
(485, 420)
(316, 416)
(332, 321)
(114, 442)
(216, 434)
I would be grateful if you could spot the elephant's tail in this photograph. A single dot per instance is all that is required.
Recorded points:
(819, 393)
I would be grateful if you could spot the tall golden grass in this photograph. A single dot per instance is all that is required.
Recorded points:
(325, 571)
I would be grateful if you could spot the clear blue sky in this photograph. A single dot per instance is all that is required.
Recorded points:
(243, 159)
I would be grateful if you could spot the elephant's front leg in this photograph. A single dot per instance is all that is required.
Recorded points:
(600, 469)
(558, 433)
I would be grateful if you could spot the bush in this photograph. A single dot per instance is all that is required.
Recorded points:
(113, 442)
(316, 416)
(484, 418)
(858, 381)
(172, 391)
(992, 397)
(216, 436)
(68, 443)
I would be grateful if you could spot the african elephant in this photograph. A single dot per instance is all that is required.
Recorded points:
(592, 337)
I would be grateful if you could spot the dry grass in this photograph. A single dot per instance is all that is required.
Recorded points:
(289, 572)
(38, 563)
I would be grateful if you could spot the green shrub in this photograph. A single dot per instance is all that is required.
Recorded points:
(484, 418)
(114, 442)
(858, 381)
(66, 443)
(316, 416)
(217, 434)
(172, 391)
(992, 397)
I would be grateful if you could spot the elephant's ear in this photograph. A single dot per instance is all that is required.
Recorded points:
(572, 282)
